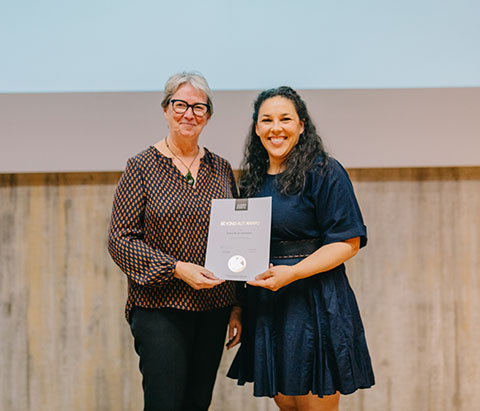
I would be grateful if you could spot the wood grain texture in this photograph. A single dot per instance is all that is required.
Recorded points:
(62, 299)
(66, 345)
(418, 285)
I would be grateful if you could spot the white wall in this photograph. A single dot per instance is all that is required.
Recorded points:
(362, 128)
(389, 84)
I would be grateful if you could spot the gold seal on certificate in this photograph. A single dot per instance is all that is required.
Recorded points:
(238, 245)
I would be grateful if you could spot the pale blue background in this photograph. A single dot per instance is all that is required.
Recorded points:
(97, 45)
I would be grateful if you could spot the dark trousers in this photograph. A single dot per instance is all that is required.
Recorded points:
(179, 352)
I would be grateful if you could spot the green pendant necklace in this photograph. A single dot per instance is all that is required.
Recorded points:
(188, 177)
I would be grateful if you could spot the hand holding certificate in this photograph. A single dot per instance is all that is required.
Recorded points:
(238, 245)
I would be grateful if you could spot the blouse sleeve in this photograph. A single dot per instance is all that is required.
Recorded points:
(140, 262)
(338, 213)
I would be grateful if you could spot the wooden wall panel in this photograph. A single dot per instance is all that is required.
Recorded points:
(418, 285)
(66, 345)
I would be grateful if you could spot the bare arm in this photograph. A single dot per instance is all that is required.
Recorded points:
(325, 258)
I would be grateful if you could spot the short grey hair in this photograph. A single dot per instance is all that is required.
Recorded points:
(195, 79)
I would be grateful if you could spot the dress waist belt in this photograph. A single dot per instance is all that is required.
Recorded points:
(294, 249)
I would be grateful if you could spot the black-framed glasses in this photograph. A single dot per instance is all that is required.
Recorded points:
(181, 107)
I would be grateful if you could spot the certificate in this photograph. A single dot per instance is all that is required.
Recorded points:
(238, 245)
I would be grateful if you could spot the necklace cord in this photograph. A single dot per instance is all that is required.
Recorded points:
(188, 177)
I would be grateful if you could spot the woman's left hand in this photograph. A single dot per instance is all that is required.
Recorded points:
(275, 277)
(234, 327)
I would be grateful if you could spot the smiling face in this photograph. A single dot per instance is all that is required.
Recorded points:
(186, 125)
(279, 129)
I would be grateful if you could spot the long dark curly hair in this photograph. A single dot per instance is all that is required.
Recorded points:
(299, 161)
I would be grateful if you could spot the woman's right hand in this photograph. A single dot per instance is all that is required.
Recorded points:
(196, 276)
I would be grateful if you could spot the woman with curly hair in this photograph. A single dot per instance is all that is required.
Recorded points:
(303, 340)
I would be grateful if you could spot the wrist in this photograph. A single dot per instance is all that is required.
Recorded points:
(236, 313)
(177, 269)
(296, 272)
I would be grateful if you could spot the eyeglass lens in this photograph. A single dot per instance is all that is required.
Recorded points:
(180, 107)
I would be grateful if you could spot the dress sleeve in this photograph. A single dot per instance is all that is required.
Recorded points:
(336, 206)
(140, 262)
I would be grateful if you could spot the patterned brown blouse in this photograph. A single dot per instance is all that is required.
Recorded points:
(159, 219)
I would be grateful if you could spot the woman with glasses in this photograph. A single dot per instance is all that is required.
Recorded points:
(178, 311)
(303, 341)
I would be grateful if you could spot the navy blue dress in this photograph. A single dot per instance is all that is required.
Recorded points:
(308, 336)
